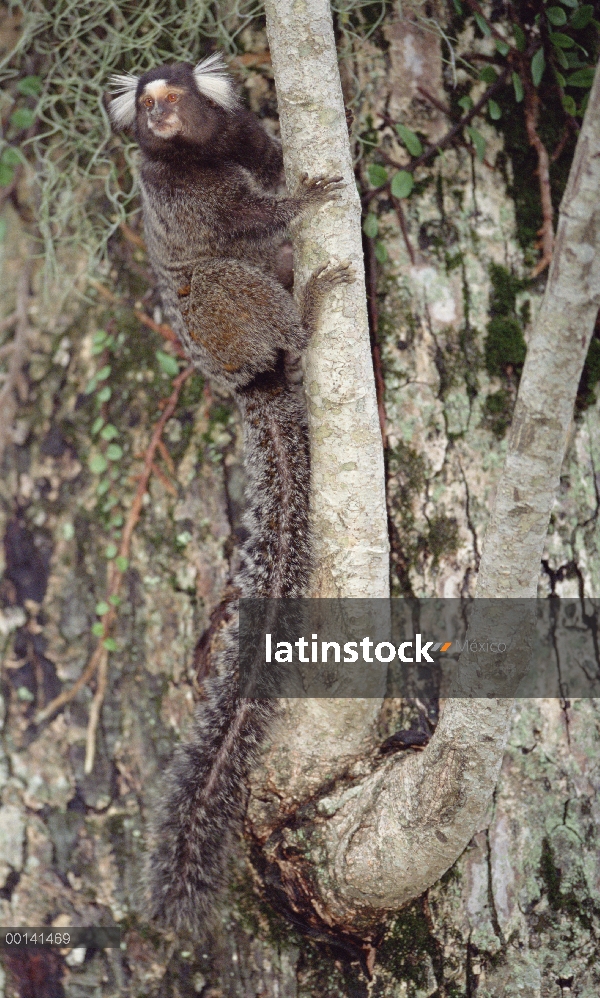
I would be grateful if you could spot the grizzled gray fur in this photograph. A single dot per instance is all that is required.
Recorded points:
(214, 226)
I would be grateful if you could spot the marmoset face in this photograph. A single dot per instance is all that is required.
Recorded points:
(161, 102)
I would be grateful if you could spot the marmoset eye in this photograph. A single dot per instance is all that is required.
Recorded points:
(172, 98)
(149, 102)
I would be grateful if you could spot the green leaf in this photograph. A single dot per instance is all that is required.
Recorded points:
(581, 78)
(520, 40)
(122, 563)
(110, 644)
(116, 520)
(97, 425)
(97, 464)
(111, 551)
(25, 694)
(488, 74)
(582, 17)
(115, 600)
(377, 174)
(478, 141)
(457, 6)
(466, 103)
(98, 629)
(502, 47)
(6, 175)
(516, 79)
(402, 184)
(569, 105)
(570, 3)
(102, 608)
(11, 157)
(167, 363)
(381, 253)
(561, 58)
(481, 24)
(411, 141)
(30, 86)
(561, 41)
(99, 336)
(103, 373)
(114, 452)
(494, 109)
(22, 118)
(371, 225)
(104, 394)
(103, 487)
(109, 432)
(556, 16)
(108, 505)
(538, 65)
(560, 79)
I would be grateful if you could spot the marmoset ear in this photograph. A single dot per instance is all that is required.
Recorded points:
(214, 82)
(120, 102)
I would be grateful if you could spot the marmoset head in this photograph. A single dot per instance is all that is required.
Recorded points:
(177, 101)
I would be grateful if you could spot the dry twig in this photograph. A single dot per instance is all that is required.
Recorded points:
(13, 384)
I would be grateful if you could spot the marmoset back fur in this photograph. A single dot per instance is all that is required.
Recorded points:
(213, 226)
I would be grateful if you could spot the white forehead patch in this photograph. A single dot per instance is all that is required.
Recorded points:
(213, 80)
(122, 107)
(155, 89)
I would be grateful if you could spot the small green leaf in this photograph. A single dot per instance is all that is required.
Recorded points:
(377, 174)
(68, 531)
(110, 644)
(561, 58)
(25, 694)
(538, 64)
(30, 86)
(109, 504)
(109, 432)
(114, 452)
(103, 373)
(381, 253)
(103, 487)
(97, 464)
(520, 40)
(98, 629)
(104, 394)
(11, 157)
(494, 109)
(560, 79)
(122, 563)
(411, 141)
(457, 6)
(102, 608)
(6, 175)
(402, 184)
(115, 600)
(561, 41)
(99, 336)
(502, 47)
(22, 118)
(111, 551)
(556, 16)
(371, 225)
(481, 24)
(581, 78)
(478, 141)
(97, 425)
(116, 520)
(569, 105)
(488, 74)
(516, 79)
(91, 386)
(466, 103)
(167, 363)
(582, 17)
(570, 3)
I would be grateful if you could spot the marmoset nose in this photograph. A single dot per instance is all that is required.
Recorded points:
(158, 112)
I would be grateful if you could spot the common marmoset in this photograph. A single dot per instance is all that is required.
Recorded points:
(212, 221)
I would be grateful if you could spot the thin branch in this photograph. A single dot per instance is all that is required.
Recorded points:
(371, 281)
(116, 576)
(546, 233)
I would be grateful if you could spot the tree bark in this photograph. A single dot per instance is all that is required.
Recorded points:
(383, 846)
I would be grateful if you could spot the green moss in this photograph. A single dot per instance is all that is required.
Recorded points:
(497, 412)
(441, 538)
(505, 348)
(406, 943)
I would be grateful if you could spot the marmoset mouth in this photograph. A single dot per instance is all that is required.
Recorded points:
(165, 129)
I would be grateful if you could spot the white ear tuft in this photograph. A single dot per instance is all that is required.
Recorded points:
(213, 80)
(122, 108)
